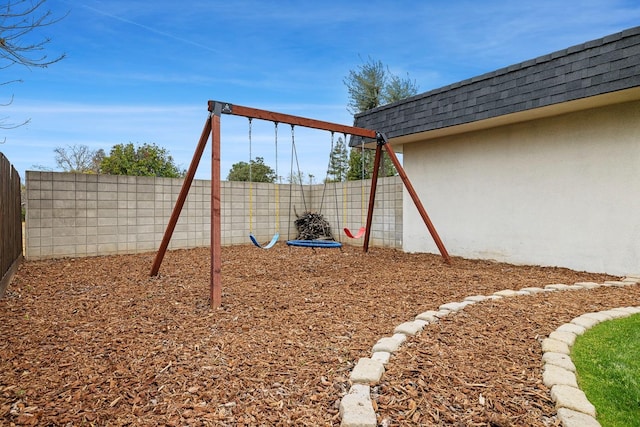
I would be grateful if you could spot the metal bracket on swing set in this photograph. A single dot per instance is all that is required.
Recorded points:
(212, 126)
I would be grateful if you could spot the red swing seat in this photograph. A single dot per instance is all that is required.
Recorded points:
(358, 235)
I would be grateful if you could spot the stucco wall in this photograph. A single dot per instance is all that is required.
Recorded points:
(75, 215)
(561, 191)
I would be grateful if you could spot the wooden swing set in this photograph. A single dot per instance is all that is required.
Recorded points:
(212, 127)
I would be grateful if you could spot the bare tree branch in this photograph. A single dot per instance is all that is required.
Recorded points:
(78, 159)
(18, 19)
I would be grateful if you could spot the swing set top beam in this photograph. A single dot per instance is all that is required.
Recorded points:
(217, 108)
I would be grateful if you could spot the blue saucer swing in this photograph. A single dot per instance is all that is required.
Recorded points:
(314, 243)
(311, 243)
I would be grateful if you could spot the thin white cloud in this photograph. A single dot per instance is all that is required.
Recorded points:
(149, 28)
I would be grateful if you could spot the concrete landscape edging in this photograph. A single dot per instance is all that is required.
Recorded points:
(574, 409)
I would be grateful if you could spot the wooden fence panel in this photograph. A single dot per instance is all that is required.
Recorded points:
(10, 222)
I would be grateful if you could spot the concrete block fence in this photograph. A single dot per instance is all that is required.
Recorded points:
(76, 215)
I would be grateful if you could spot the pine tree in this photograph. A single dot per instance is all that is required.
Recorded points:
(370, 86)
(338, 163)
(356, 171)
(365, 86)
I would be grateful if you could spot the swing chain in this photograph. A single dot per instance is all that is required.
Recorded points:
(276, 143)
(250, 155)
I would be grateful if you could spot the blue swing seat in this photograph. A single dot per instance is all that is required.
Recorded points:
(269, 245)
(314, 243)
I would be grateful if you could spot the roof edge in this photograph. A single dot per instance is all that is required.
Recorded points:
(508, 69)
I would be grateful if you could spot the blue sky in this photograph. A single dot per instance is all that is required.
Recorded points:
(139, 71)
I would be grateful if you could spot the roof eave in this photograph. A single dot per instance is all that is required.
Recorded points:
(618, 97)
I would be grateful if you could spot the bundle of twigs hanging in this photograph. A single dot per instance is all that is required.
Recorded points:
(312, 226)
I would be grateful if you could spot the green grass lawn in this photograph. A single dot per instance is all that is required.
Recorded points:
(607, 359)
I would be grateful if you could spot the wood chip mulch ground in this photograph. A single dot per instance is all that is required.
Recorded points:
(96, 341)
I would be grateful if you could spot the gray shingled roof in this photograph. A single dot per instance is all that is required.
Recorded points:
(605, 65)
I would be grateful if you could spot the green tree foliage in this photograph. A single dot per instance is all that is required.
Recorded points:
(372, 85)
(338, 162)
(369, 86)
(145, 160)
(356, 172)
(387, 168)
(365, 86)
(259, 171)
(398, 89)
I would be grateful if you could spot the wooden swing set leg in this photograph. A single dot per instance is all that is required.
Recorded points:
(211, 126)
(410, 190)
(372, 196)
(184, 191)
(215, 278)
